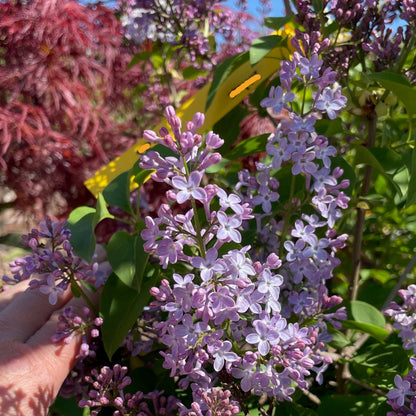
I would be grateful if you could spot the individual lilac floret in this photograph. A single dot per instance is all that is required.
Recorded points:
(402, 398)
(404, 317)
(277, 99)
(331, 102)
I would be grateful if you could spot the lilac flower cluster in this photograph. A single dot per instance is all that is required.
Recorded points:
(217, 402)
(186, 23)
(311, 242)
(53, 265)
(107, 390)
(225, 319)
(402, 398)
(404, 317)
(52, 268)
(365, 24)
(70, 323)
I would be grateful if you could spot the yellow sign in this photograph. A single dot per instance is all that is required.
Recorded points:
(230, 93)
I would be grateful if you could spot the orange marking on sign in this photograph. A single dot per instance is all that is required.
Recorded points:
(244, 85)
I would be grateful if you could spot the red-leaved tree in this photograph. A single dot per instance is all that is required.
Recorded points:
(62, 82)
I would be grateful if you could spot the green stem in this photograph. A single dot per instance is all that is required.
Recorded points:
(84, 296)
(359, 225)
(197, 225)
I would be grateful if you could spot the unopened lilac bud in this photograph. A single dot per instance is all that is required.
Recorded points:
(211, 160)
(170, 111)
(33, 243)
(98, 321)
(171, 195)
(95, 333)
(150, 136)
(67, 246)
(213, 141)
(104, 401)
(198, 120)
(77, 320)
(163, 131)
(273, 261)
(118, 401)
(337, 172)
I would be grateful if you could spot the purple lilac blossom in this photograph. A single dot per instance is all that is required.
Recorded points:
(402, 398)
(241, 300)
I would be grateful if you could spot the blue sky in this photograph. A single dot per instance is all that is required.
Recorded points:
(254, 6)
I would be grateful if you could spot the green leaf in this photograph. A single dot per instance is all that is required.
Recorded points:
(67, 407)
(375, 331)
(82, 233)
(411, 190)
(262, 46)
(349, 405)
(366, 313)
(366, 318)
(318, 6)
(388, 358)
(117, 192)
(141, 176)
(127, 258)
(228, 128)
(139, 57)
(120, 306)
(12, 240)
(247, 147)
(276, 23)
(223, 71)
(82, 222)
(399, 86)
(191, 72)
(367, 157)
(101, 211)
(339, 340)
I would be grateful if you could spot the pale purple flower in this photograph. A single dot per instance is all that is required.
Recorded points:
(269, 283)
(227, 227)
(51, 289)
(224, 354)
(230, 201)
(403, 389)
(277, 99)
(189, 188)
(208, 265)
(330, 102)
(263, 337)
(168, 250)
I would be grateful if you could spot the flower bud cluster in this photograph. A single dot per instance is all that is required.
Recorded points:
(107, 390)
(185, 23)
(69, 324)
(53, 265)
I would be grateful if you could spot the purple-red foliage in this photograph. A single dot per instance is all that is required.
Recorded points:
(62, 77)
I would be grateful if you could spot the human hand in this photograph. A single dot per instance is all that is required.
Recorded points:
(32, 367)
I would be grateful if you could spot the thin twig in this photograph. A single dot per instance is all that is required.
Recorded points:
(366, 386)
(312, 397)
(359, 226)
(399, 283)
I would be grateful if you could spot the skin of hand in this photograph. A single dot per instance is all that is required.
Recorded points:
(32, 367)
